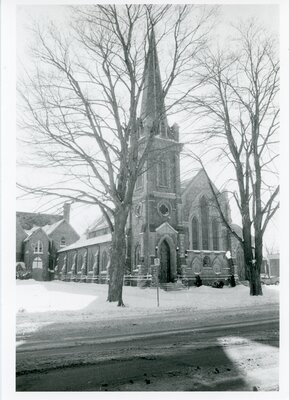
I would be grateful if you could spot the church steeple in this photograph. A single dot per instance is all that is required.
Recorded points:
(153, 106)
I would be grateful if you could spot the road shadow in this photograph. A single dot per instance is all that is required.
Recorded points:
(195, 357)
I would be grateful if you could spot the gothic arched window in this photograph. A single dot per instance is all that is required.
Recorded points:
(38, 247)
(215, 230)
(205, 223)
(163, 174)
(195, 234)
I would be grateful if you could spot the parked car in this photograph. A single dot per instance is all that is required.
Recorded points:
(269, 280)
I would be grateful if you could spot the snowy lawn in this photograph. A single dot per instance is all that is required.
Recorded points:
(72, 299)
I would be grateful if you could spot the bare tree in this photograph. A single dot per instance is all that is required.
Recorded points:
(81, 102)
(239, 104)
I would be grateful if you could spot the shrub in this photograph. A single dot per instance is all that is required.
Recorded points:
(198, 281)
(218, 284)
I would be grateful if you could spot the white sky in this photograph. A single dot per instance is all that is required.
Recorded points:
(82, 216)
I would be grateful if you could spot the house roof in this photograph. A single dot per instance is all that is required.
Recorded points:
(31, 232)
(87, 242)
(48, 229)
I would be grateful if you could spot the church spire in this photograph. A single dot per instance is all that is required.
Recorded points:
(153, 106)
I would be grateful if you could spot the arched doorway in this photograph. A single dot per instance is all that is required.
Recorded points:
(165, 260)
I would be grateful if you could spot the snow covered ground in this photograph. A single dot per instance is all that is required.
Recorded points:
(79, 312)
(67, 300)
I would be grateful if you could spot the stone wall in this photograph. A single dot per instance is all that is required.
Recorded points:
(209, 265)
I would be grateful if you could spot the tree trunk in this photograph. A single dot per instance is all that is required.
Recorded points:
(252, 266)
(255, 282)
(117, 265)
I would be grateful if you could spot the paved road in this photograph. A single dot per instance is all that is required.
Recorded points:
(233, 353)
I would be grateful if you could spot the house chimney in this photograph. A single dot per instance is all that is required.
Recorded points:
(66, 212)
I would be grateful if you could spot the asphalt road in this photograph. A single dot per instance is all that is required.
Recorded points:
(236, 353)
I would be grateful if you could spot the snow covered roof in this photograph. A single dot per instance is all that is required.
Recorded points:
(48, 229)
(30, 231)
(87, 242)
(99, 223)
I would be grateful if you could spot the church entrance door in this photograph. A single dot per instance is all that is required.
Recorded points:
(165, 267)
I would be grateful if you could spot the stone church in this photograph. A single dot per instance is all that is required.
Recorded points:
(172, 223)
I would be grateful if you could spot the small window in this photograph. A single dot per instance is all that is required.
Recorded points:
(38, 247)
(164, 209)
(62, 242)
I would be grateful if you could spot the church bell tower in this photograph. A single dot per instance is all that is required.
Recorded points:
(156, 220)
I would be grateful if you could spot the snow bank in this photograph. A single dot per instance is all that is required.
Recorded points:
(71, 298)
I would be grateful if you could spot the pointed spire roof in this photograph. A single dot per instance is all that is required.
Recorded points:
(153, 106)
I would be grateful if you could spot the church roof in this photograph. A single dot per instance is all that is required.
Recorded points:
(82, 242)
(152, 106)
(99, 224)
(201, 175)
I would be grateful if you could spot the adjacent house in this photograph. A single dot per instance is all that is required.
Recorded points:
(38, 239)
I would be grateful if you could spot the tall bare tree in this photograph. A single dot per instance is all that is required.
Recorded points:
(80, 103)
(238, 105)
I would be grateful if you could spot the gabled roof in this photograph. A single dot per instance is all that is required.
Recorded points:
(201, 175)
(87, 242)
(100, 223)
(48, 229)
(32, 231)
